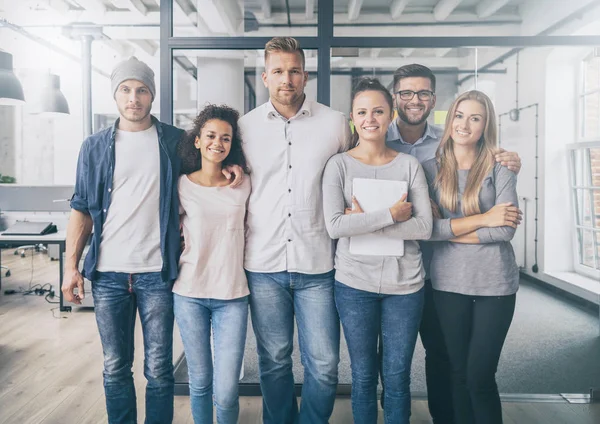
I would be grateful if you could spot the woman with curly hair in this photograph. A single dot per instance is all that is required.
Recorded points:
(211, 291)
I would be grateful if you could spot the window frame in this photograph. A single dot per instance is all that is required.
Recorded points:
(577, 227)
(584, 143)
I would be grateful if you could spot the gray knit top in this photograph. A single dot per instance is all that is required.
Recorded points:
(377, 274)
(485, 269)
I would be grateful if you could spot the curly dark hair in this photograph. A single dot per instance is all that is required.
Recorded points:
(191, 159)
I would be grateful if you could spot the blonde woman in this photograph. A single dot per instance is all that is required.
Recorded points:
(473, 269)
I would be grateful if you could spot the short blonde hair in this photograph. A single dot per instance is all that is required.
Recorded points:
(284, 44)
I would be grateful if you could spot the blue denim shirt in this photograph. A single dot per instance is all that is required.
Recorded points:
(93, 186)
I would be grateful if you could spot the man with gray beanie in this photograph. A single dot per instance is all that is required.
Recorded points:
(126, 191)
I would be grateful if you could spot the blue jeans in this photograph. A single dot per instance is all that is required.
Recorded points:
(117, 298)
(365, 315)
(229, 320)
(274, 299)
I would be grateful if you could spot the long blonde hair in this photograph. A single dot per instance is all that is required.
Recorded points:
(447, 178)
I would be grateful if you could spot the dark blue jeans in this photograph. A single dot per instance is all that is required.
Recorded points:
(229, 321)
(365, 315)
(117, 298)
(274, 300)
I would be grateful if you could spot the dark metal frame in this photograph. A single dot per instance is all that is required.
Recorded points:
(323, 43)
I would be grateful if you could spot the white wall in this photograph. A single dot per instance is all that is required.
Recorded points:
(520, 137)
(47, 145)
(562, 123)
(341, 93)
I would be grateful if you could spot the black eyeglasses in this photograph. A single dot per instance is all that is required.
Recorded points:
(409, 94)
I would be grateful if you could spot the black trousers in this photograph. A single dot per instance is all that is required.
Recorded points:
(437, 363)
(474, 329)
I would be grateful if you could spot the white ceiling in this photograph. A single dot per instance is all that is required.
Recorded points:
(132, 26)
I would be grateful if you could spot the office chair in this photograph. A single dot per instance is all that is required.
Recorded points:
(37, 247)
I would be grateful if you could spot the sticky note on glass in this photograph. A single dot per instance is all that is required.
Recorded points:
(439, 117)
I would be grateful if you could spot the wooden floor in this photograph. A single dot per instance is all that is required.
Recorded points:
(51, 365)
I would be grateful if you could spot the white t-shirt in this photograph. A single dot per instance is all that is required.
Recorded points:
(212, 263)
(131, 232)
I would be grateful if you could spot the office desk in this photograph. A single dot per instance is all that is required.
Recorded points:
(58, 238)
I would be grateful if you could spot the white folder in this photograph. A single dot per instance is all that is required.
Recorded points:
(373, 195)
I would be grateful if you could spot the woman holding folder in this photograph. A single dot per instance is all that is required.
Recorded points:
(377, 293)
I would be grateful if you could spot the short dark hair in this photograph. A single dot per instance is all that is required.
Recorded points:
(191, 159)
(369, 84)
(414, 70)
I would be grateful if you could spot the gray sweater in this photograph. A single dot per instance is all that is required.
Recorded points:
(377, 274)
(485, 269)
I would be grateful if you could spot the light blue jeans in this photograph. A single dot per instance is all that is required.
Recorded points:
(274, 300)
(229, 321)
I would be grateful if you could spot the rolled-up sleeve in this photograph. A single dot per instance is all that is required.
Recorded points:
(79, 201)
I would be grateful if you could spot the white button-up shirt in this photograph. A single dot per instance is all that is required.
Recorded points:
(285, 223)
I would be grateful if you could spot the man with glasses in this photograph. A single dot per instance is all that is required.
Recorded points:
(414, 99)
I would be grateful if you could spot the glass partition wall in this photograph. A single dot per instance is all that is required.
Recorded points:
(214, 54)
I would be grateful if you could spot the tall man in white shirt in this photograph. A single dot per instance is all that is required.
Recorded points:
(289, 255)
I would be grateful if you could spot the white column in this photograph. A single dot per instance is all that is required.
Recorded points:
(262, 93)
(8, 147)
(221, 81)
(341, 93)
(311, 89)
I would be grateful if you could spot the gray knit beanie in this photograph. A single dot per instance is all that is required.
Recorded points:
(133, 69)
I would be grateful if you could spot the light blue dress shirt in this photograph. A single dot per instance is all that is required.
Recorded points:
(423, 149)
